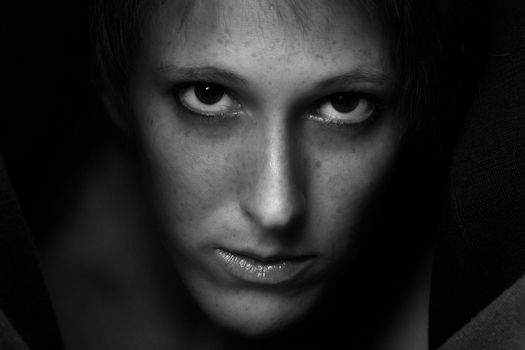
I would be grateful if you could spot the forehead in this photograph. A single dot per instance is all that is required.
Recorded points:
(285, 16)
(256, 31)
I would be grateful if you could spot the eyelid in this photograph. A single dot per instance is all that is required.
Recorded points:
(381, 96)
(378, 97)
(379, 107)
(179, 88)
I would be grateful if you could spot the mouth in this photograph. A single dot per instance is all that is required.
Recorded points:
(251, 268)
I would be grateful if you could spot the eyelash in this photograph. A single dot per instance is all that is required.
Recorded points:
(342, 125)
(212, 118)
(380, 107)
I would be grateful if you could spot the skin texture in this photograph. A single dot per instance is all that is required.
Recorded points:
(271, 179)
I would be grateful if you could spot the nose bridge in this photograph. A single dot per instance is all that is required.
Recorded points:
(274, 198)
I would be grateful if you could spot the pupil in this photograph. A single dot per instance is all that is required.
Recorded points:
(209, 94)
(344, 103)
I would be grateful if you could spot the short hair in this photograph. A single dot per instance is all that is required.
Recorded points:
(415, 30)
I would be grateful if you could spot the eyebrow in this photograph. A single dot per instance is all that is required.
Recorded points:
(225, 77)
(206, 74)
(359, 76)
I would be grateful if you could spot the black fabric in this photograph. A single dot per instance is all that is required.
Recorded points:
(481, 251)
(501, 325)
(23, 296)
(9, 337)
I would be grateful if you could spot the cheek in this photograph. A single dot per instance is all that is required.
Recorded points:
(190, 174)
(345, 185)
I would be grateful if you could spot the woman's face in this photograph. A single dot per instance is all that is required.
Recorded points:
(265, 131)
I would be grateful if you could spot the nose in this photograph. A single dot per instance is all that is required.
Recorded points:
(274, 198)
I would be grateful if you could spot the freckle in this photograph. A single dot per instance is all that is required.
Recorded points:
(366, 53)
(318, 164)
(254, 55)
(220, 41)
(339, 210)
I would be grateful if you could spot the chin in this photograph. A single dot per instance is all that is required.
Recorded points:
(256, 313)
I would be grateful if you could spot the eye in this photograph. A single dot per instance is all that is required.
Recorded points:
(207, 99)
(346, 108)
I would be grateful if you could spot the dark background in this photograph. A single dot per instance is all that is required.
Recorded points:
(52, 123)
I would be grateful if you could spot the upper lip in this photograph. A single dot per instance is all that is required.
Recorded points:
(268, 258)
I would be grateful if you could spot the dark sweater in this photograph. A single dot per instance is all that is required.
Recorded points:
(26, 316)
(478, 292)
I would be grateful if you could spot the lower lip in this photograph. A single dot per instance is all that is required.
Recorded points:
(257, 271)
